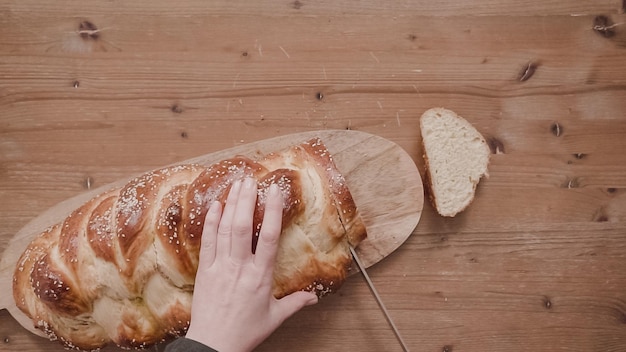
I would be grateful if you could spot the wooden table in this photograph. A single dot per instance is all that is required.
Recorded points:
(93, 91)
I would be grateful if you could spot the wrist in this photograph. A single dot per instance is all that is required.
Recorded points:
(217, 343)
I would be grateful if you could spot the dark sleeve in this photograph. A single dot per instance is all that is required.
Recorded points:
(183, 344)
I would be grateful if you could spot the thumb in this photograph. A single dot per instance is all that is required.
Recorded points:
(292, 303)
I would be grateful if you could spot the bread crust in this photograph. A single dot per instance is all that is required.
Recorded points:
(121, 267)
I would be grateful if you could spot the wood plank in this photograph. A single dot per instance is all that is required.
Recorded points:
(304, 8)
(92, 136)
(590, 136)
(71, 171)
(416, 42)
(223, 36)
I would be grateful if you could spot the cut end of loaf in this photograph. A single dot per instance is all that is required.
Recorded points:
(456, 156)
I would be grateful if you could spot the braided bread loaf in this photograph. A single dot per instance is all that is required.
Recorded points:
(121, 267)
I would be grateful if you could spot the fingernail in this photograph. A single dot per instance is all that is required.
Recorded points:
(249, 182)
(274, 190)
(215, 207)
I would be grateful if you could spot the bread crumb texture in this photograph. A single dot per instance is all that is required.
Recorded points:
(456, 156)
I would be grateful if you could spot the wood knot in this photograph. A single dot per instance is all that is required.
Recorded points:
(556, 129)
(528, 71)
(319, 95)
(297, 4)
(600, 215)
(177, 109)
(88, 183)
(547, 303)
(621, 316)
(184, 135)
(88, 31)
(496, 146)
(571, 183)
(604, 26)
(602, 218)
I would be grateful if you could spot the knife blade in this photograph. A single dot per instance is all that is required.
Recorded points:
(370, 284)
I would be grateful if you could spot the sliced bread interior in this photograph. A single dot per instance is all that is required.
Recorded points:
(456, 156)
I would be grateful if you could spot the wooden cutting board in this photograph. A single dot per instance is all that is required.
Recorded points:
(383, 179)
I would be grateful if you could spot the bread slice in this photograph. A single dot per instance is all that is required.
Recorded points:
(456, 157)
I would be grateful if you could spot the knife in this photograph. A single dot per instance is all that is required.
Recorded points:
(378, 299)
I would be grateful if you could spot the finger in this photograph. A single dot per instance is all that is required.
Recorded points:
(209, 235)
(224, 230)
(241, 245)
(288, 305)
(267, 246)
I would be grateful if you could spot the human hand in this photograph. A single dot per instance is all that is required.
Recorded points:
(233, 308)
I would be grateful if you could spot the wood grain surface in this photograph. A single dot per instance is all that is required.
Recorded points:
(94, 91)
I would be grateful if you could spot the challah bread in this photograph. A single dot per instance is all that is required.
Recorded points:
(121, 267)
(456, 156)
